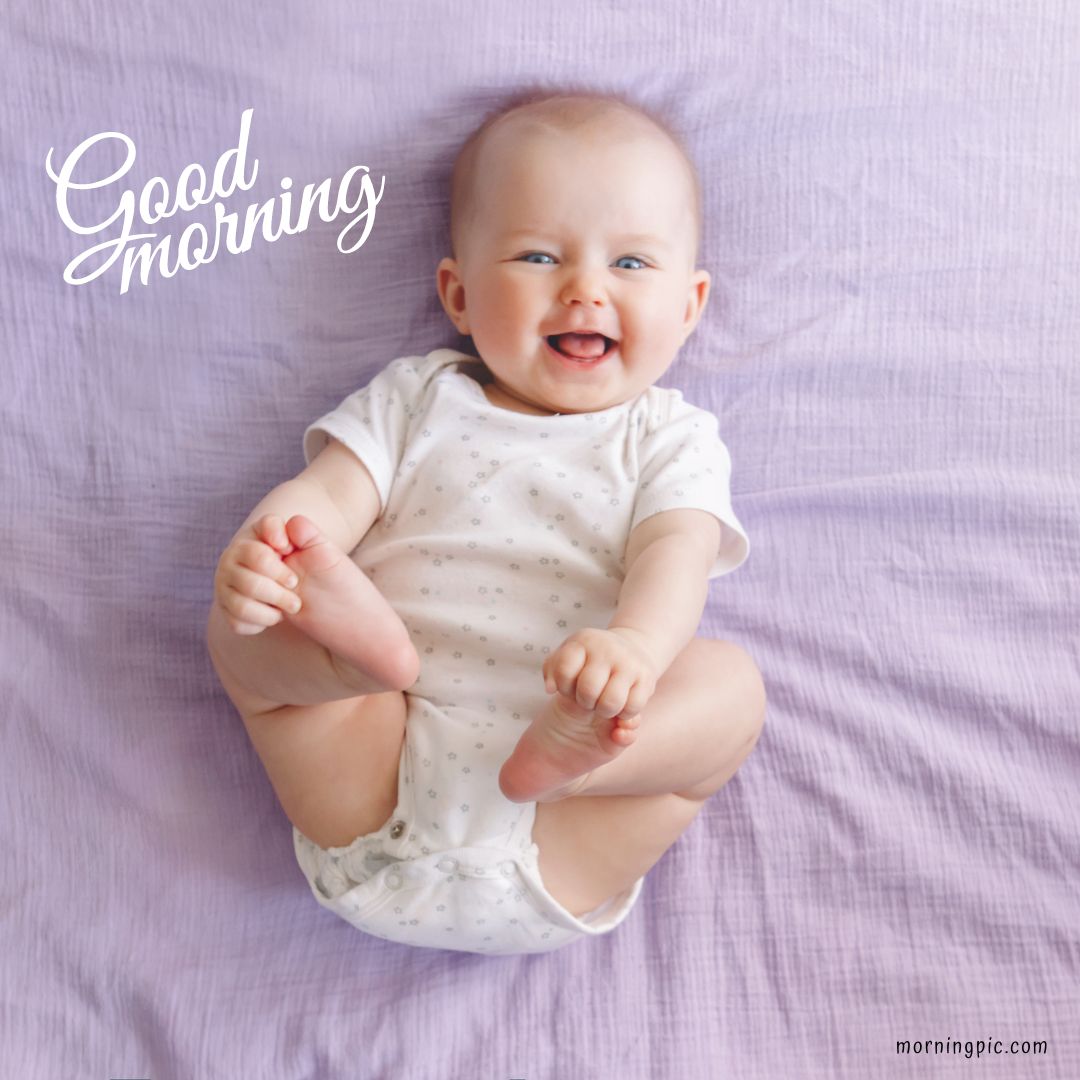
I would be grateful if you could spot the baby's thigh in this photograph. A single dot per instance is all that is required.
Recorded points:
(593, 847)
(334, 766)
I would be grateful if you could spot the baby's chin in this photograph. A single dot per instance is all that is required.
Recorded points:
(554, 393)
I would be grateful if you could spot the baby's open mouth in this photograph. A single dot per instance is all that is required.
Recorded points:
(585, 348)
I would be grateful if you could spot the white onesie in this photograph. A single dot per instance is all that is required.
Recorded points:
(501, 533)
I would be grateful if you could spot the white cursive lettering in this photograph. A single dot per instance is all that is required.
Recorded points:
(192, 248)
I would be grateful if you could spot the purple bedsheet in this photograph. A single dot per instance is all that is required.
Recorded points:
(891, 346)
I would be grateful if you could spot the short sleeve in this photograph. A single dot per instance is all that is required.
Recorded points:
(373, 422)
(685, 465)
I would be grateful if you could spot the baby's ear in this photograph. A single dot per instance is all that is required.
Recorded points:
(698, 297)
(452, 293)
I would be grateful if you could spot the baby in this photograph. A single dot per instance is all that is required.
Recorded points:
(462, 640)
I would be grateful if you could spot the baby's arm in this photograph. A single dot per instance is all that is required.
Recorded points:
(614, 671)
(663, 595)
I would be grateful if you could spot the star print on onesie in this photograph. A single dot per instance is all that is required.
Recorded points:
(501, 534)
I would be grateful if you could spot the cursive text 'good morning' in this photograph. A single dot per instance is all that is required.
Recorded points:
(192, 249)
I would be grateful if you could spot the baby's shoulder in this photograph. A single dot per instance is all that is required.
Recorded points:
(407, 379)
(423, 369)
(661, 410)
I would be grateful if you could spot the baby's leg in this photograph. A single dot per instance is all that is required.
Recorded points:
(687, 732)
(328, 730)
(696, 731)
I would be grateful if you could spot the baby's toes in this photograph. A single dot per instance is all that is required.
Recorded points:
(315, 553)
(302, 531)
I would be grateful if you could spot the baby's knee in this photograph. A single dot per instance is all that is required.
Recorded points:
(755, 699)
(732, 673)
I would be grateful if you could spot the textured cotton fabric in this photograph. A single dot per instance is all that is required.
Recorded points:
(890, 219)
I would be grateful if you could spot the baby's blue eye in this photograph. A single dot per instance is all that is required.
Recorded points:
(542, 255)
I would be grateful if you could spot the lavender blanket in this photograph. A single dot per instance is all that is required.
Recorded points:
(891, 195)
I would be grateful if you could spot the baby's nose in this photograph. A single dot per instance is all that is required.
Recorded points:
(584, 288)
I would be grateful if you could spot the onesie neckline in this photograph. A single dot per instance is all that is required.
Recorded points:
(476, 391)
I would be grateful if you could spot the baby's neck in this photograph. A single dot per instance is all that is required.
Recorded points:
(504, 401)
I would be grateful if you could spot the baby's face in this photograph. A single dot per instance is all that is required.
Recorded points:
(576, 232)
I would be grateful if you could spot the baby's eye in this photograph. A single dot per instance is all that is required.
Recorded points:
(538, 254)
(632, 258)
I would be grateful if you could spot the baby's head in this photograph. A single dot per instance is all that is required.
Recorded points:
(573, 212)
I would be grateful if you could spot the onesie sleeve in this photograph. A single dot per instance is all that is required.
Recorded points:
(373, 421)
(685, 465)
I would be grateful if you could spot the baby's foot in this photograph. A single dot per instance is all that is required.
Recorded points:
(560, 749)
(343, 610)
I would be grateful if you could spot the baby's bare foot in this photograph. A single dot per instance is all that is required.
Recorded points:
(342, 610)
(559, 750)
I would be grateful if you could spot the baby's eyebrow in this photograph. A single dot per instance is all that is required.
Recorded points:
(644, 238)
(630, 238)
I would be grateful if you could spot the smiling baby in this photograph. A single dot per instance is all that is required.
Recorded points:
(462, 640)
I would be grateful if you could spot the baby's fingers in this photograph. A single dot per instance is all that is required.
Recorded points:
(248, 585)
(592, 683)
(562, 667)
(264, 560)
(614, 696)
(637, 699)
(248, 616)
(270, 529)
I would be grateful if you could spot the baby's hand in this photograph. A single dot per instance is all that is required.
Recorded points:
(250, 581)
(609, 672)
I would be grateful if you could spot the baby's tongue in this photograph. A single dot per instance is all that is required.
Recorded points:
(583, 346)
